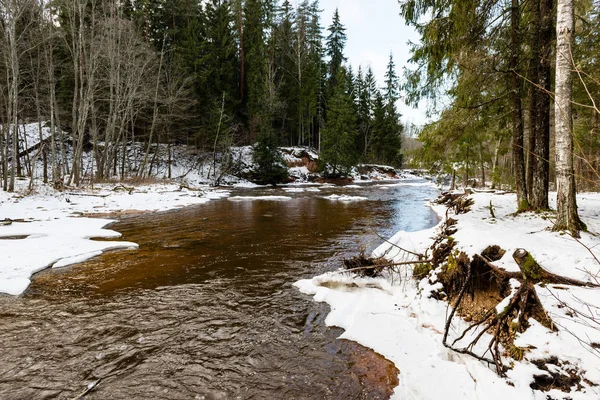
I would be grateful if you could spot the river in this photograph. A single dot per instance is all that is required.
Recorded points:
(205, 308)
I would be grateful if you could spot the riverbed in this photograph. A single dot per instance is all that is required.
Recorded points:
(205, 308)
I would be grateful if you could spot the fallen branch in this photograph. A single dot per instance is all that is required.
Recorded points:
(533, 272)
(396, 246)
(87, 194)
(88, 390)
(385, 265)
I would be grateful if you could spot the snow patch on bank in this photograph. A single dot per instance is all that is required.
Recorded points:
(46, 229)
(398, 320)
(57, 242)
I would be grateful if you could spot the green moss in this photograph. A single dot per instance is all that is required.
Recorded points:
(451, 262)
(531, 269)
(420, 271)
(523, 206)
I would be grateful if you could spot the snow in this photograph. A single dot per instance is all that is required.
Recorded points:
(294, 189)
(54, 242)
(264, 198)
(397, 318)
(48, 228)
(345, 198)
(500, 307)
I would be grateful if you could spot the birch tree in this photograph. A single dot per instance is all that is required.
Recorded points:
(566, 213)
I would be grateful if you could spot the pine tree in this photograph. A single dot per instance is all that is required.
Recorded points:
(366, 103)
(218, 67)
(270, 165)
(255, 22)
(387, 140)
(316, 73)
(391, 82)
(336, 41)
(338, 148)
(286, 70)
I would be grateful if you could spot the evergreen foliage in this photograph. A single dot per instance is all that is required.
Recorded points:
(340, 131)
(211, 73)
(270, 165)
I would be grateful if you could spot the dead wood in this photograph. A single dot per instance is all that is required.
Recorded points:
(388, 265)
(523, 304)
(488, 285)
(9, 221)
(533, 272)
(88, 390)
(365, 266)
(87, 194)
(124, 188)
(191, 189)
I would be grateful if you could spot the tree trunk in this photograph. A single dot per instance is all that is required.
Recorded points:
(241, 37)
(540, 112)
(566, 214)
(517, 117)
(13, 106)
(534, 93)
(495, 163)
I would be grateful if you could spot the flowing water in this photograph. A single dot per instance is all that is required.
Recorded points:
(205, 308)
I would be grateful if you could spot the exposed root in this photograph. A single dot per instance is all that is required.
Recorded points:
(366, 266)
(476, 288)
(562, 375)
(459, 202)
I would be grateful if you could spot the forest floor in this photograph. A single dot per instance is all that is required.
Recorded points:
(405, 319)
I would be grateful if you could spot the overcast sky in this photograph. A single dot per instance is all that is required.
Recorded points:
(374, 28)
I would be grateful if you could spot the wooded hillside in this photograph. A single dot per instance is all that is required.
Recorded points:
(102, 74)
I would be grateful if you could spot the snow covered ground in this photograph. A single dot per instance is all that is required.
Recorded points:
(49, 228)
(399, 320)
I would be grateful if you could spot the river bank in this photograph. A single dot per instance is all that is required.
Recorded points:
(205, 306)
(402, 320)
(47, 228)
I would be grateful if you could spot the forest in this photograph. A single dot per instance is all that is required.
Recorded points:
(101, 75)
(517, 102)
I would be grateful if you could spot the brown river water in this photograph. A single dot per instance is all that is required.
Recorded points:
(205, 308)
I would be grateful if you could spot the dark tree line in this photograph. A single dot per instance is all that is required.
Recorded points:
(103, 74)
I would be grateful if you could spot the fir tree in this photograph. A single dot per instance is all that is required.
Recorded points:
(270, 165)
(339, 133)
(336, 41)
(255, 17)
(391, 82)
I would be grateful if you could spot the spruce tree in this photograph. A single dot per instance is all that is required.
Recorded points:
(336, 41)
(386, 140)
(254, 24)
(338, 148)
(392, 84)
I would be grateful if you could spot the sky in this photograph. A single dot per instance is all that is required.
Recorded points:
(374, 28)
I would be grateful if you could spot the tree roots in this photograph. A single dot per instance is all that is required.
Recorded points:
(484, 295)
